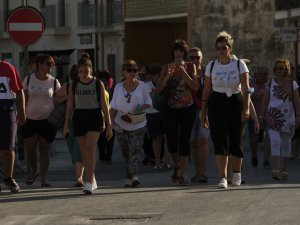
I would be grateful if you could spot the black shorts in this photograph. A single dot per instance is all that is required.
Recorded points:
(38, 127)
(85, 120)
(8, 130)
(155, 124)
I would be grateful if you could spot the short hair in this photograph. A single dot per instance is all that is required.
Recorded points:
(195, 49)
(42, 58)
(128, 64)
(286, 63)
(180, 44)
(225, 37)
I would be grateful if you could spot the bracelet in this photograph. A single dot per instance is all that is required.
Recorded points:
(261, 117)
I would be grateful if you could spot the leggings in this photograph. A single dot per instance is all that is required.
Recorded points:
(179, 124)
(226, 127)
(280, 143)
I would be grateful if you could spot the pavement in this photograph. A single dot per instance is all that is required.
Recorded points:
(260, 201)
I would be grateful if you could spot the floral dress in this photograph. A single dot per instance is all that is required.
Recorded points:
(281, 113)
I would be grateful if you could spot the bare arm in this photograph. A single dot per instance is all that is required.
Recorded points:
(104, 106)
(253, 115)
(165, 75)
(190, 81)
(20, 102)
(245, 92)
(69, 110)
(205, 95)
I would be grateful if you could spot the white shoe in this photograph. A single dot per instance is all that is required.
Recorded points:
(135, 181)
(236, 179)
(95, 186)
(88, 188)
(223, 183)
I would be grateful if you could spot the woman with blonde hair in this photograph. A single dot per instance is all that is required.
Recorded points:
(281, 110)
(225, 107)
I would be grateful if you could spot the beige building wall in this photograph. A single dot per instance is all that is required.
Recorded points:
(251, 22)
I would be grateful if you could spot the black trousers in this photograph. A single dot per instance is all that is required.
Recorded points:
(224, 115)
(179, 124)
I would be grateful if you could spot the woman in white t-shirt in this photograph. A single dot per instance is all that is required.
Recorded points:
(39, 93)
(225, 100)
(130, 97)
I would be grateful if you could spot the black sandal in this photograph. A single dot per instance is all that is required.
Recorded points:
(31, 179)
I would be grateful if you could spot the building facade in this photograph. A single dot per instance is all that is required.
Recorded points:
(257, 33)
(72, 27)
(151, 28)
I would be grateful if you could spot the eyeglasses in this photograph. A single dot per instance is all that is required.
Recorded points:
(131, 70)
(280, 68)
(128, 96)
(221, 48)
(195, 57)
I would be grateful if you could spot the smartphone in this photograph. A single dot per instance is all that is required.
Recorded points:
(66, 135)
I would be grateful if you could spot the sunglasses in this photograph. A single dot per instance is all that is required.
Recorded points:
(128, 96)
(221, 48)
(280, 68)
(195, 57)
(131, 70)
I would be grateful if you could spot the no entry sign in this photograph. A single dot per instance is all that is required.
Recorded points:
(25, 25)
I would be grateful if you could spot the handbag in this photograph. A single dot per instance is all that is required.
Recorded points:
(56, 118)
(160, 100)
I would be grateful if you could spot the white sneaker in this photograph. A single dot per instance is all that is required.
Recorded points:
(95, 186)
(135, 181)
(236, 179)
(88, 188)
(223, 183)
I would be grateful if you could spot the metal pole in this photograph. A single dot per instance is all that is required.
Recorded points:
(96, 38)
(20, 149)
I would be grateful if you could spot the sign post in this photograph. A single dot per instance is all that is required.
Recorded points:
(25, 26)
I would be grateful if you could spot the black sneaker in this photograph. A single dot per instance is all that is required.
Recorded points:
(254, 161)
(12, 185)
(267, 165)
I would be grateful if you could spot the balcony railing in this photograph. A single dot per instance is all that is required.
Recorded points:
(114, 12)
(56, 16)
(286, 4)
(86, 14)
(3, 18)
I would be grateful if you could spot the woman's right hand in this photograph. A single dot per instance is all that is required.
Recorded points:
(204, 119)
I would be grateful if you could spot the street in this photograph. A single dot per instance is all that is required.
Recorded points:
(259, 201)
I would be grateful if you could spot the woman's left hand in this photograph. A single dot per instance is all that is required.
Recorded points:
(245, 114)
(109, 132)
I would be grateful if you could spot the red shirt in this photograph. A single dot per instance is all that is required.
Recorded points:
(10, 83)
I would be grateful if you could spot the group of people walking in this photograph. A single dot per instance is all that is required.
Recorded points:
(198, 102)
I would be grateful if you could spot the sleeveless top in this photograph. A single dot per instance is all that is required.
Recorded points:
(85, 95)
(180, 95)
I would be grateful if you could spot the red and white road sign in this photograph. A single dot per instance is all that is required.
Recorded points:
(25, 25)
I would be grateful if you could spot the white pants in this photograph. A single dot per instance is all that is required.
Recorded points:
(280, 143)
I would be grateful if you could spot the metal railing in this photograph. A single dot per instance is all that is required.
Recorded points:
(114, 12)
(286, 4)
(56, 16)
(86, 14)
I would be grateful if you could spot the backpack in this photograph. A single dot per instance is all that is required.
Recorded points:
(213, 63)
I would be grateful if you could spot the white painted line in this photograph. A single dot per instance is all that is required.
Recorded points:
(25, 26)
